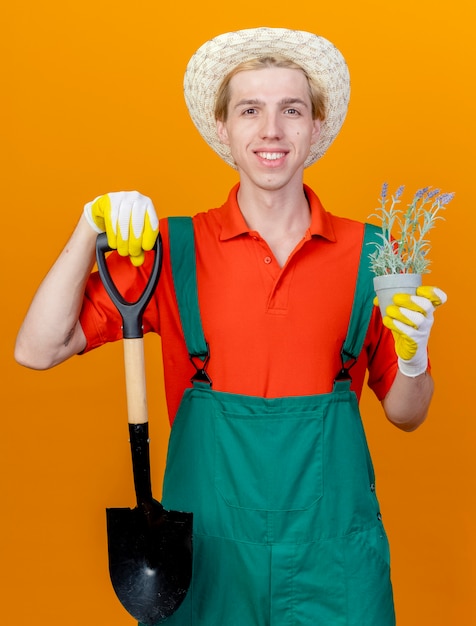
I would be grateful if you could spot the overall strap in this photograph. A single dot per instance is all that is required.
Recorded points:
(363, 299)
(184, 273)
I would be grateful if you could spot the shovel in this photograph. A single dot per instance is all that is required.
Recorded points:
(150, 548)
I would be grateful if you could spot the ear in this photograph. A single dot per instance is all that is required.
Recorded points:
(222, 133)
(316, 131)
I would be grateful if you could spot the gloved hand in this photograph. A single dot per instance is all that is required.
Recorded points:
(129, 220)
(410, 319)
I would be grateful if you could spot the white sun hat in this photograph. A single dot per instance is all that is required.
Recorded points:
(216, 58)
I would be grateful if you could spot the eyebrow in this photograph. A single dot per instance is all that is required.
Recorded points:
(283, 102)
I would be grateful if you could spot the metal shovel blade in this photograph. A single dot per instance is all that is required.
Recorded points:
(150, 559)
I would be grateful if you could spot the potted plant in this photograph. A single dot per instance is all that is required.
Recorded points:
(401, 258)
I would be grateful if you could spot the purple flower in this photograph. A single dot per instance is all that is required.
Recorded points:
(445, 198)
(420, 193)
(384, 191)
(399, 192)
(432, 193)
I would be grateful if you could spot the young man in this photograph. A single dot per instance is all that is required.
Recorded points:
(269, 454)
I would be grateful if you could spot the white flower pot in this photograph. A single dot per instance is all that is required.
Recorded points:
(388, 285)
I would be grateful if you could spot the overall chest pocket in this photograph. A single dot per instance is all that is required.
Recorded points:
(269, 462)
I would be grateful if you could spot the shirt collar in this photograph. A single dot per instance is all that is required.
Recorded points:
(234, 225)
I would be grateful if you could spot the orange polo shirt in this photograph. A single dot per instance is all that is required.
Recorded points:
(273, 331)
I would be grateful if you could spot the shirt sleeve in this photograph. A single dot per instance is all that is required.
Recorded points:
(382, 359)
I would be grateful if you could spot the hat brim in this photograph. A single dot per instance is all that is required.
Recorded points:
(216, 58)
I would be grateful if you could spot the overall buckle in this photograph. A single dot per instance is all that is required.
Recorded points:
(200, 365)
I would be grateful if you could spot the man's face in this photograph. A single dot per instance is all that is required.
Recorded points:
(269, 128)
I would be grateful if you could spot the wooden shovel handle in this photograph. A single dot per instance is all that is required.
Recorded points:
(137, 412)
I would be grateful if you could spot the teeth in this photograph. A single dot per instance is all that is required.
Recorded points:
(271, 156)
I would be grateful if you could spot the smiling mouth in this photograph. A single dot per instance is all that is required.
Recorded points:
(271, 156)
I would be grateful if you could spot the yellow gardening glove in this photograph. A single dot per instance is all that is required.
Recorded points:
(129, 220)
(410, 319)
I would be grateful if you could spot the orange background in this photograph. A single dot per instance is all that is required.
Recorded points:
(92, 102)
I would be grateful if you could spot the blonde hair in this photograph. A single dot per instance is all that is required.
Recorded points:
(316, 92)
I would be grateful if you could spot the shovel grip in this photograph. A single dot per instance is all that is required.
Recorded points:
(131, 312)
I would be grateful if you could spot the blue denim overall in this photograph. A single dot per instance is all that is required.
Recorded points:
(287, 528)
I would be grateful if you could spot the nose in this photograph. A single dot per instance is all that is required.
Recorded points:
(270, 126)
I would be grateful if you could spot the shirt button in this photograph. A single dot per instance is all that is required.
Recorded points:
(267, 260)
